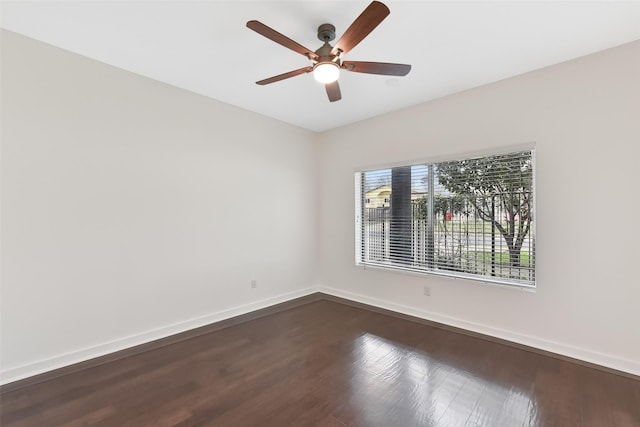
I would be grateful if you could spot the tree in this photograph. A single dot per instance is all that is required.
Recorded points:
(504, 180)
(454, 204)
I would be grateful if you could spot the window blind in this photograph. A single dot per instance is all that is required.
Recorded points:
(470, 218)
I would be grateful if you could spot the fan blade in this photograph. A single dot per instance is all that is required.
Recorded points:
(285, 76)
(369, 19)
(383, 68)
(281, 39)
(333, 91)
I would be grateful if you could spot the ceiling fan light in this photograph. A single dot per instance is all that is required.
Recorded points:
(326, 72)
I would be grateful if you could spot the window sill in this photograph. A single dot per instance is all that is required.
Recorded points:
(502, 283)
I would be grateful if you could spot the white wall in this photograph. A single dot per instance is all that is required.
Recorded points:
(584, 117)
(132, 210)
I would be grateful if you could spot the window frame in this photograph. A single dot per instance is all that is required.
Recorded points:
(420, 270)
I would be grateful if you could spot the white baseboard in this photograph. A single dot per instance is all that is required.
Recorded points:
(62, 360)
(606, 360)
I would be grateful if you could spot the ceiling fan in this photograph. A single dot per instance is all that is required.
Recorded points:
(327, 60)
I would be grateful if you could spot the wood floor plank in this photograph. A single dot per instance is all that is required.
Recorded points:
(333, 365)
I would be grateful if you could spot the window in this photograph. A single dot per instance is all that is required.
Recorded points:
(470, 218)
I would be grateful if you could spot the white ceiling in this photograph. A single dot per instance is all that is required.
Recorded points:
(204, 46)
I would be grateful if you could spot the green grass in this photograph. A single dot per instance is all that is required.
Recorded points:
(502, 257)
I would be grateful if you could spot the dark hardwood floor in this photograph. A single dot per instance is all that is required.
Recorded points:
(329, 364)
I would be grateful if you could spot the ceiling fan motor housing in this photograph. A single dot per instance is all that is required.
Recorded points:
(326, 33)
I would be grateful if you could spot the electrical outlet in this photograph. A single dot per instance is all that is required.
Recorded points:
(427, 291)
(254, 284)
